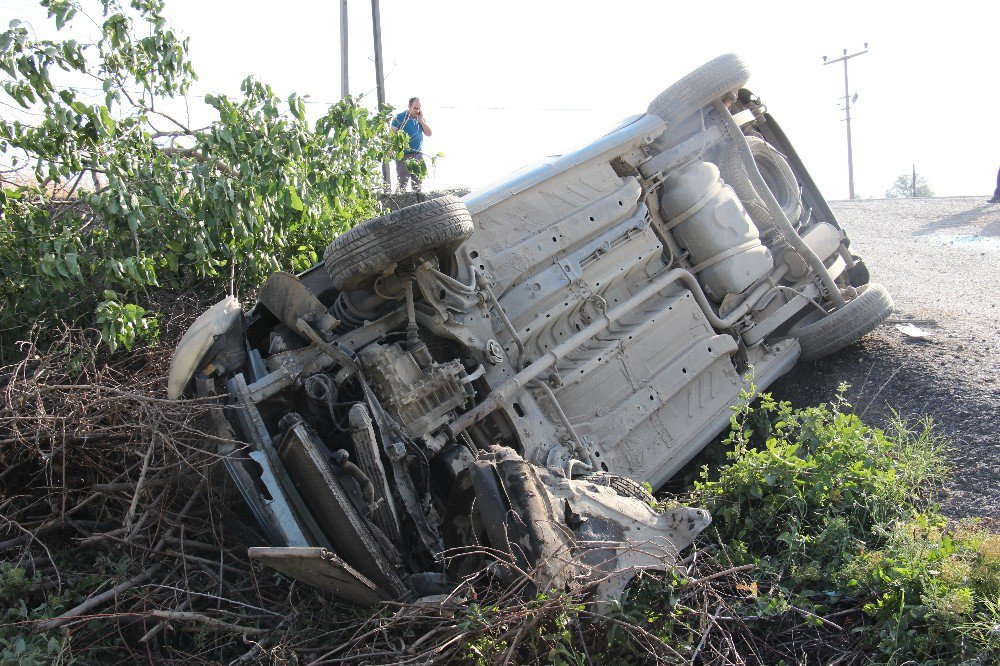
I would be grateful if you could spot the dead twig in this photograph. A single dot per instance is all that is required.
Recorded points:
(720, 574)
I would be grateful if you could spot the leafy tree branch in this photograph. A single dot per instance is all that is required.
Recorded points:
(120, 195)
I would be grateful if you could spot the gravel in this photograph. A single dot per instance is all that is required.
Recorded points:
(938, 258)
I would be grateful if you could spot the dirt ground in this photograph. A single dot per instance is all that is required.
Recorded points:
(938, 258)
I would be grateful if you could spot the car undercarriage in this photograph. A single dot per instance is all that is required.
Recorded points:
(497, 382)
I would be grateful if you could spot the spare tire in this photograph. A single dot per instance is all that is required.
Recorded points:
(775, 171)
(373, 246)
(706, 84)
(843, 326)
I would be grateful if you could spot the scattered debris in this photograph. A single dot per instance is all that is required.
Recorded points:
(925, 322)
(913, 332)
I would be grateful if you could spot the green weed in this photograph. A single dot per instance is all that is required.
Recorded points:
(837, 515)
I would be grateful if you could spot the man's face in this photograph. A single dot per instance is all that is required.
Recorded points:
(415, 108)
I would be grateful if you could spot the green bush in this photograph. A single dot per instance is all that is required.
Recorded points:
(18, 643)
(122, 196)
(812, 484)
(834, 552)
(838, 516)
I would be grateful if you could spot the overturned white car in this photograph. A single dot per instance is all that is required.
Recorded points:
(474, 382)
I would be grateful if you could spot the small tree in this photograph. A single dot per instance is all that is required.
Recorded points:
(123, 196)
(908, 186)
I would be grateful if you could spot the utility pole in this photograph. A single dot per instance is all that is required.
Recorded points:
(345, 88)
(379, 77)
(847, 109)
(913, 183)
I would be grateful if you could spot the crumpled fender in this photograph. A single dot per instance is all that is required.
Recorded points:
(196, 342)
(571, 533)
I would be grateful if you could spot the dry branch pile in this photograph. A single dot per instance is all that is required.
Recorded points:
(121, 539)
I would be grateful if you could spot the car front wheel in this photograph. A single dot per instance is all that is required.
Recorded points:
(373, 246)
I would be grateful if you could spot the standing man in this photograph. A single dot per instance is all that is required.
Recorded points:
(412, 122)
(996, 192)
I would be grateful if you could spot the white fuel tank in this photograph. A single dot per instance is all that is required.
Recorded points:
(708, 220)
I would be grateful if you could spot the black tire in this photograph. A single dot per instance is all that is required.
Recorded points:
(777, 174)
(375, 245)
(842, 327)
(708, 83)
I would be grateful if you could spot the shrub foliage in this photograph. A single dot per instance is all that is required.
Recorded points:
(121, 195)
(838, 522)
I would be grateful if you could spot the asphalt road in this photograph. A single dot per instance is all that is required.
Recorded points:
(939, 260)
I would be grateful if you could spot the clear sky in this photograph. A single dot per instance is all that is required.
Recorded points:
(507, 83)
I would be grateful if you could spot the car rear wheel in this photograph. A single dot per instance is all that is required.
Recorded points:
(844, 326)
(707, 83)
(373, 246)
